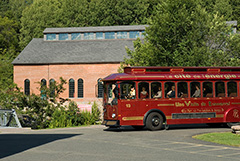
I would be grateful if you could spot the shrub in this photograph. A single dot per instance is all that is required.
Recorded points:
(49, 112)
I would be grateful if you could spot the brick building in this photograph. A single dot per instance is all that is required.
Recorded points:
(81, 55)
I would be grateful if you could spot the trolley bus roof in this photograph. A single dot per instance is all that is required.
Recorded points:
(173, 73)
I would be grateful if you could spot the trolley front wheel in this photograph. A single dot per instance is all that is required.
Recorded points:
(154, 121)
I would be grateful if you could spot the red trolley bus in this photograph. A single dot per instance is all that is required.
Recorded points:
(151, 96)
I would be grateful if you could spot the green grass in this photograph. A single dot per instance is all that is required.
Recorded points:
(226, 138)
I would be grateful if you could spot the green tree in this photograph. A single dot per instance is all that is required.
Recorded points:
(38, 16)
(222, 7)
(79, 13)
(183, 33)
(16, 7)
(8, 34)
(4, 7)
(236, 11)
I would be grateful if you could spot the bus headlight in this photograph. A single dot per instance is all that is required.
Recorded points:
(113, 115)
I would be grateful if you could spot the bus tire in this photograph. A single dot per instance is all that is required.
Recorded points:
(154, 121)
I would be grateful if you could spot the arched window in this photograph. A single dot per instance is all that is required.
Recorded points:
(52, 87)
(27, 87)
(71, 88)
(80, 88)
(43, 83)
(43, 88)
(100, 88)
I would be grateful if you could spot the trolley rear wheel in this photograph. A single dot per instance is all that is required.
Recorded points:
(154, 121)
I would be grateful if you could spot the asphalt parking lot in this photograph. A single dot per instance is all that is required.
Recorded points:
(98, 143)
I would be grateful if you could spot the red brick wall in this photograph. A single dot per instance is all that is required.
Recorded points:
(90, 73)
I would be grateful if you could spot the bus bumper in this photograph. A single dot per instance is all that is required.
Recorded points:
(111, 123)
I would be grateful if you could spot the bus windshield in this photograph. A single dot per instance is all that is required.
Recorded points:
(111, 93)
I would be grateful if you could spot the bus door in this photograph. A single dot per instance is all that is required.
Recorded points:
(127, 106)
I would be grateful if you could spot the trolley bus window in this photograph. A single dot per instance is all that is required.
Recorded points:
(156, 90)
(128, 90)
(232, 89)
(182, 89)
(143, 89)
(220, 89)
(195, 89)
(111, 90)
(207, 89)
(169, 90)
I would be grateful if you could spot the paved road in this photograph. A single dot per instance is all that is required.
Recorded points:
(97, 143)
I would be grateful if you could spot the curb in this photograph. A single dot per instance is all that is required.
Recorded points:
(7, 130)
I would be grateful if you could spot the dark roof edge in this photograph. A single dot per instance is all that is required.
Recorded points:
(95, 29)
(117, 62)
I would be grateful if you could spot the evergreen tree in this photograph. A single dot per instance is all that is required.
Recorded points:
(183, 33)
(236, 11)
(79, 13)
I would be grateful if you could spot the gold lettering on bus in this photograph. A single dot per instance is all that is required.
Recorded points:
(196, 76)
(182, 76)
(226, 76)
(186, 103)
(197, 110)
(235, 113)
(219, 104)
(178, 104)
(128, 105)
(203, 104)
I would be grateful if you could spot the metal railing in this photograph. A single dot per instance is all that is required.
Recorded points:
(8, 118)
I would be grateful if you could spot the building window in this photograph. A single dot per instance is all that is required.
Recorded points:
(121, 35)
(43, 88)
(88, 36)
(51, 37)
(63, 36)
(100, 88)
(71, 88)
(76, 36)
(134, 34)
(80, 88)
(99, 35)
(27, 87)
(52, 84)
(109, 35)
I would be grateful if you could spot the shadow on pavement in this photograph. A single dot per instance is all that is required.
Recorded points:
(171, 127)
(11, 144)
